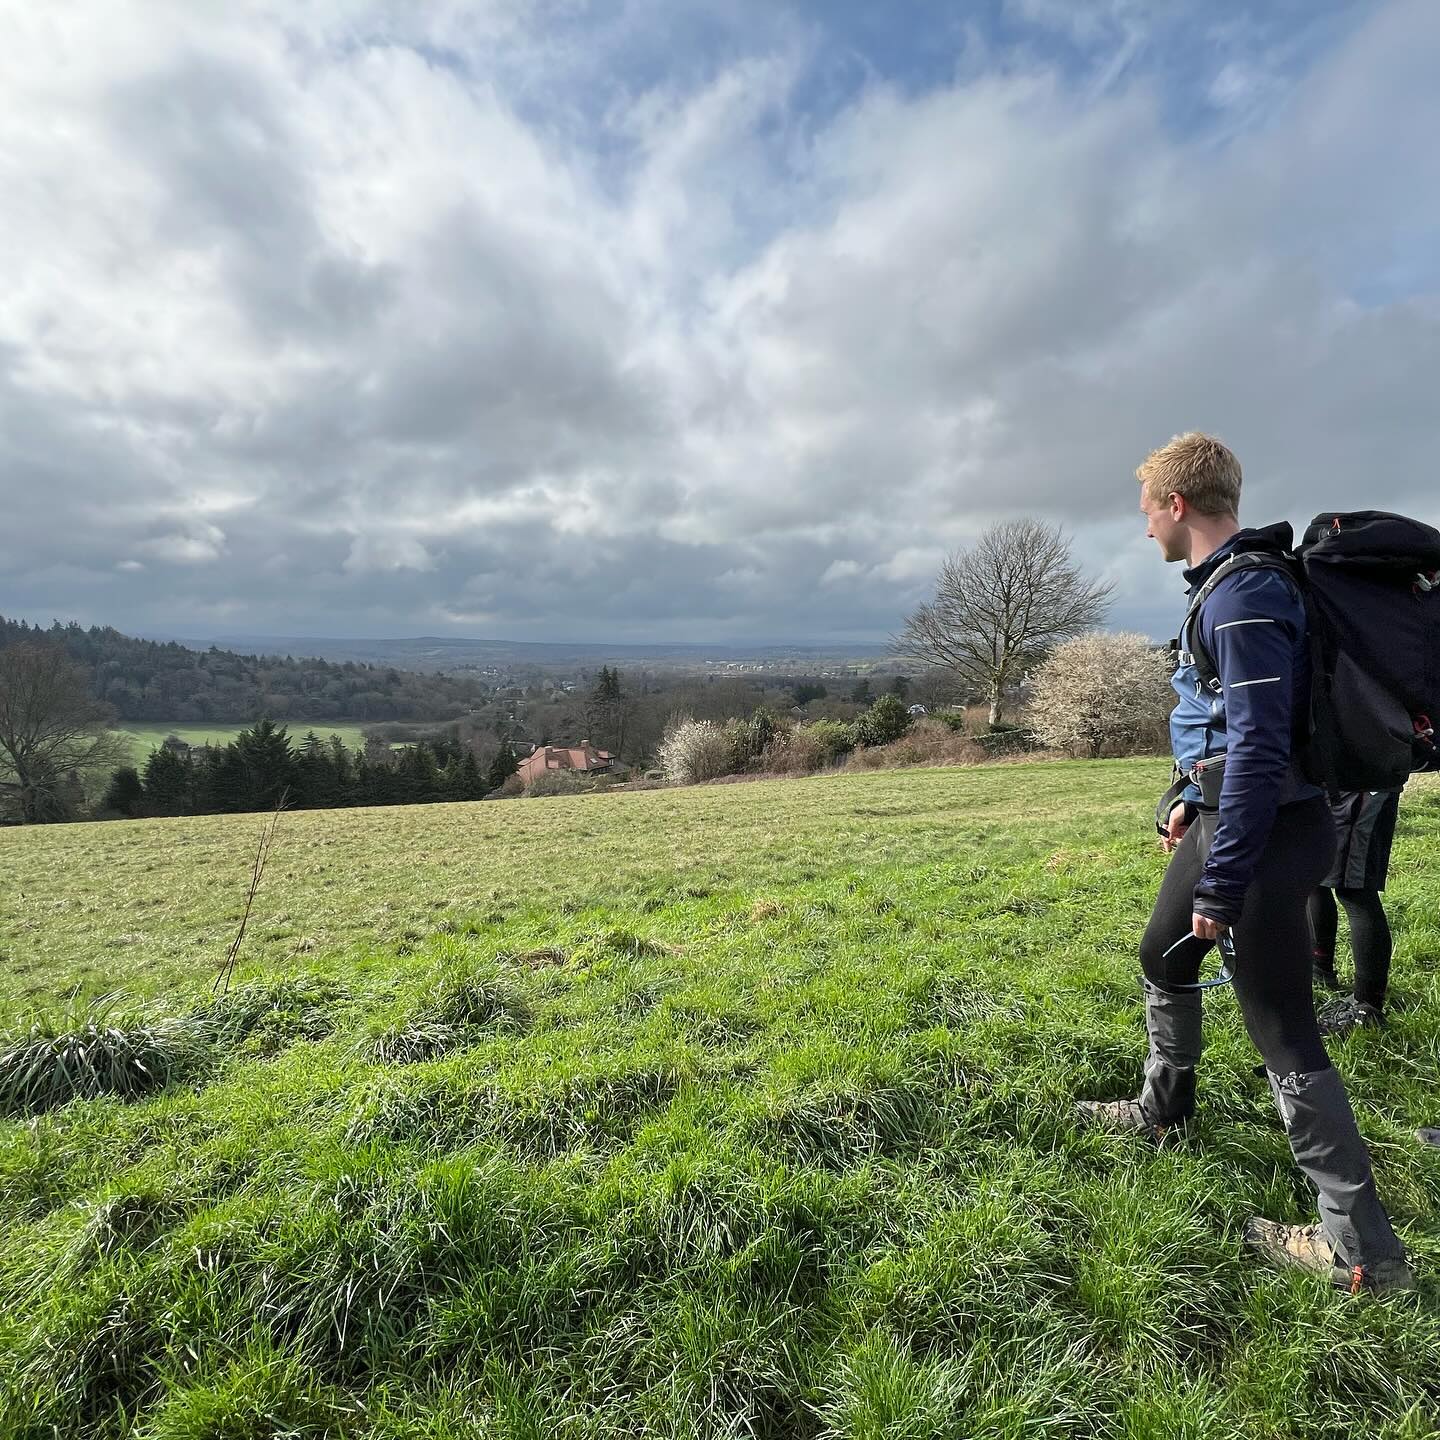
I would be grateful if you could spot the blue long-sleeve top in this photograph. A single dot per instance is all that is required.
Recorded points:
(1253, 628)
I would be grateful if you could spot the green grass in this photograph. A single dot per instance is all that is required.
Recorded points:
(142, 739)
(742, 1110)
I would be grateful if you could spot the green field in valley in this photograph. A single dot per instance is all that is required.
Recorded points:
(736, 1110)
(142, 739)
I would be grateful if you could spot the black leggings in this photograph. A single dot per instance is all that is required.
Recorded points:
(1370, 939)
(1272, 938)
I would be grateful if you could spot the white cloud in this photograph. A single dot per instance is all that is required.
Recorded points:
(837, 572)
(371, 554)
(196, 545)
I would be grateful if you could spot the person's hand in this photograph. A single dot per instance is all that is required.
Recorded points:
(1207, 929)
(1177, 828)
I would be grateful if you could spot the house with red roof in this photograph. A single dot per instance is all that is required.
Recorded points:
(583, 757)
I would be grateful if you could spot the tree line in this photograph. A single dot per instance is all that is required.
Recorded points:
(150, 680)
(261, 768)
(999, 610)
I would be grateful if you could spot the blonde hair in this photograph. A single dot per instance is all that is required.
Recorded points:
(1199, 468)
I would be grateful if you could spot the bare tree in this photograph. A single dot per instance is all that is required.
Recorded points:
(1002, 606)
(53, 737)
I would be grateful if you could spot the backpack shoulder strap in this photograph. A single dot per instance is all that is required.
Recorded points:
(1189, 627)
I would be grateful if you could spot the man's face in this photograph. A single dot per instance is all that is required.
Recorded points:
(1166, 528)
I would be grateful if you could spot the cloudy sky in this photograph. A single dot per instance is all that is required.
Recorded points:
(687, 319)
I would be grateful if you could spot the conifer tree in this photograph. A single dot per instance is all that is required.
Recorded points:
(502, 767)
(125, 795)
(167, 784)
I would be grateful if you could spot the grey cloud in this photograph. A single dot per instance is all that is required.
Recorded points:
(345, 384)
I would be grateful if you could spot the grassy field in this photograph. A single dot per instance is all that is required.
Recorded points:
(142, 739)
(741, 1110)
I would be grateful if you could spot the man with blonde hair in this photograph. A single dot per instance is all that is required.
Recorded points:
(1249, 838)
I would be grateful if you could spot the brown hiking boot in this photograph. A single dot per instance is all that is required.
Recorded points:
(1304, 1247)
(1128, 1117)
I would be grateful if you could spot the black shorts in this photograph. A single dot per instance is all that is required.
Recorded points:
(1364, 832)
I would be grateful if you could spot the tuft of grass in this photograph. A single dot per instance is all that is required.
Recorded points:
(271, 1014)
(100, 1050)
(465, 1007)
(411, 1041)
(481, 1001)
(129, 1221)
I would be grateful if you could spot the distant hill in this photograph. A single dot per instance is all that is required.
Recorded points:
(437, 652)
(152, 680)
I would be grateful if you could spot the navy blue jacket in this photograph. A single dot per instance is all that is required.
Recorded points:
(1253, 628)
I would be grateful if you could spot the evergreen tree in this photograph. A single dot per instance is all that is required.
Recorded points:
(886, 720)
(221, 784)
(344, 769)
(125, 795)
(502, 767)
(608, 711)
(362, 788)
(168, 783)
(316, 783)
(607, 687)
(419, 776)
(469, 783)
(268, 764)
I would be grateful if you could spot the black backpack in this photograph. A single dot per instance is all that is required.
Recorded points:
(1371, 585)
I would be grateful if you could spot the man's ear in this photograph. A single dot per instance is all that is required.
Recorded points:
(1179, 508)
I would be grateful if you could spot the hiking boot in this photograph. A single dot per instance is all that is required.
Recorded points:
(1346, 1014)
(1325, 974)
(1126, 1117)
(1304, 1247)
(1428, 1135)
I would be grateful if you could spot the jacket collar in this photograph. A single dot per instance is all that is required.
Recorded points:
(1266, 537)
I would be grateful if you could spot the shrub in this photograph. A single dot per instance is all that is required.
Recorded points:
(749, 739)
(804, 749)
(1102, 694)
(560, 782)
(1004, 739)
(694, 750)
(886, 720)
(834, 737)
(929, 742)
(793, 752)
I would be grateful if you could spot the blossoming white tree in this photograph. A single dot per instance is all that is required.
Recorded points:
(1101, 692)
